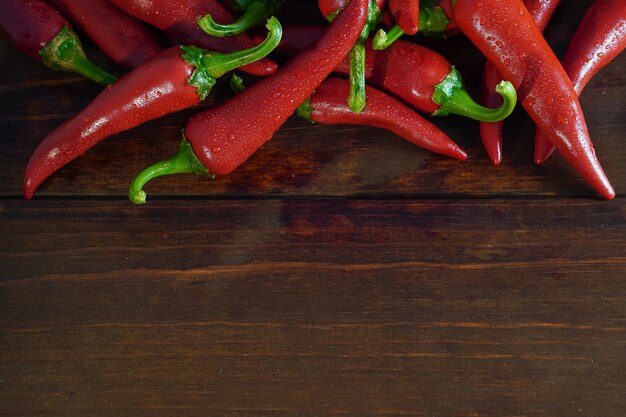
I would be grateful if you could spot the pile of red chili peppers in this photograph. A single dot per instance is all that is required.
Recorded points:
(353, 70)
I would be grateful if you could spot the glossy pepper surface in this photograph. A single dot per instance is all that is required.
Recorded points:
(123, 38)
(600, 37)
(178, 19)
(40, 32)
(251, 13)
(507, 35)
(219, 145)
(175, 79)
(327, 106)
(491, 132)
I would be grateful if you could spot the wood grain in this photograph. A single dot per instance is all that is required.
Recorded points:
(339, 272)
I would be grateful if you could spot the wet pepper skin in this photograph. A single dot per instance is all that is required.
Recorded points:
(159, 88)
(30, 25)
(222, 145)
(491, 132)
(507, 35)
(600, 37)
(123, 38)
(328, 106)
(178, 19)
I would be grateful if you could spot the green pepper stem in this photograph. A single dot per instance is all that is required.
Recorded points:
(184, 161)
(356, 98)
(383, 40)
(211, 65)
(452, 97)
(65, 53)
(253, 16)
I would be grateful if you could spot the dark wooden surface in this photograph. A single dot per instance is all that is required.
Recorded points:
(340, 271)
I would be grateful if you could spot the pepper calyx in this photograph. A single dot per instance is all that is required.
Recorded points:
(65, 53)
(209, 65)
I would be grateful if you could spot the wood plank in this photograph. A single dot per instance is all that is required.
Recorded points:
(313, 307)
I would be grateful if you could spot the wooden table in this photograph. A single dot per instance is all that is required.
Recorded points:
(340, 271)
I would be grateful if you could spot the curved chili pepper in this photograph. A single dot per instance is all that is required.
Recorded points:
(178, 19)
(252, 13)
(600, 37)
(435, 19)
(491, 133)
(219, 145)
(329, 8)
(123, 38)
(40, 32)
(507, 35)
(175, 79)
(327, 106)
(419, 76)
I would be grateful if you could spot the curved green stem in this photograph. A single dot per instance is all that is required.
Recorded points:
(452, 97)
(211, 65)
(65, 53)
(254, 14)
(184, 161)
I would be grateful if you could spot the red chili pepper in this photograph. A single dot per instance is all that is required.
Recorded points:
(327, 106)
(507, 35)
(435, 19)
(252, 13)
(178, 19)
(123, 38)
(491, 133)
(406, 14)
(40, 32)
(600, 37)
(260, 110)
(419, 76)
(175, 79)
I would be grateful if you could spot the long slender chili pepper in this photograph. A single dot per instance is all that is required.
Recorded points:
(124, 39)
(40, 32)
(329, 8)
(491, 133)
(435, 19)
(178, 19)
(507, 35)
(252, 13)
(219, 145)
(600, 37)
(327, 106)
(175, 79)
(419, 76)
